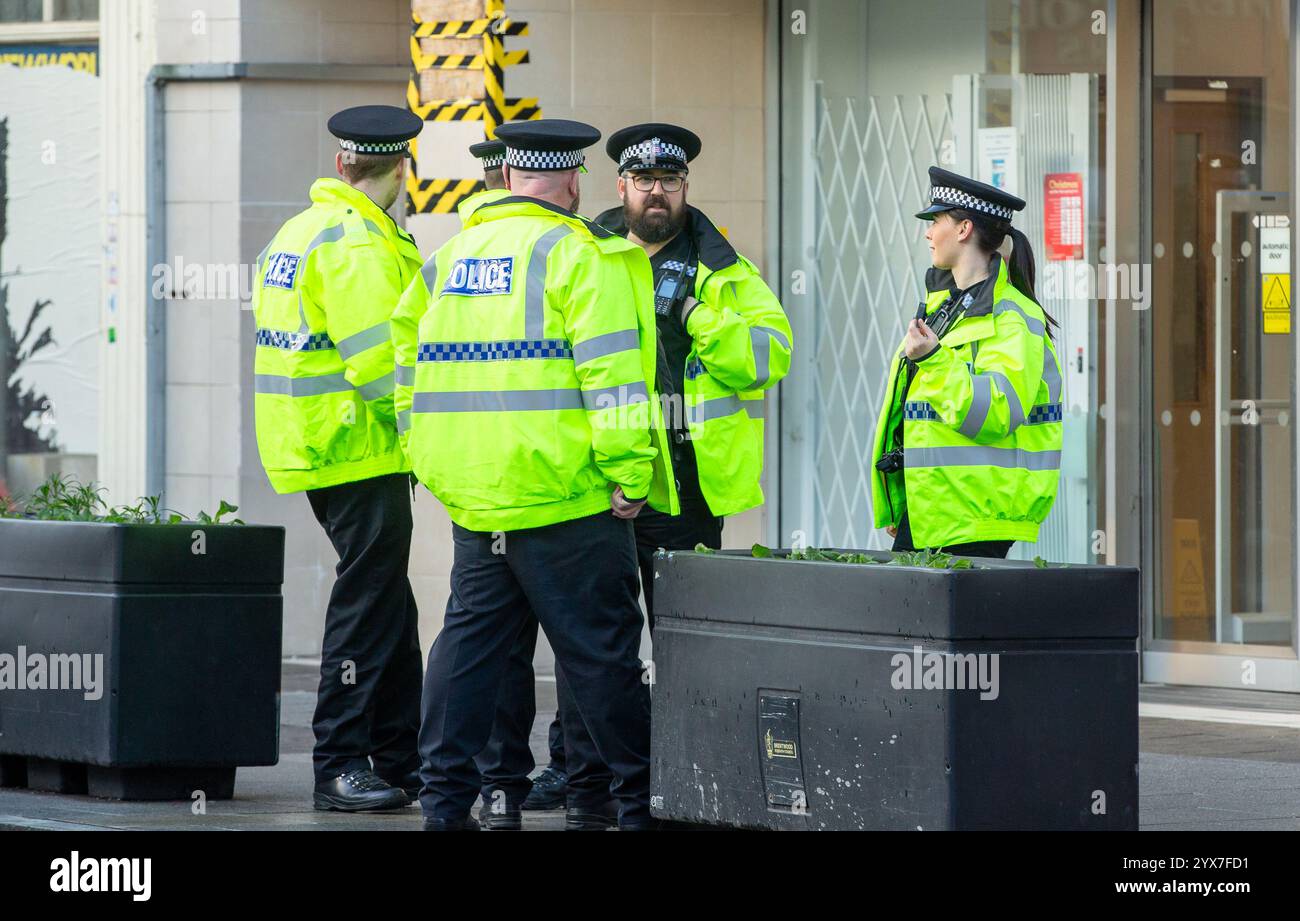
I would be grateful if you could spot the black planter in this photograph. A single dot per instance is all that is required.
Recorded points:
(189, 682)
(786, 695)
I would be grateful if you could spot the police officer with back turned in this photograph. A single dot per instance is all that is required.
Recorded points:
(324, 384)
(525, 350)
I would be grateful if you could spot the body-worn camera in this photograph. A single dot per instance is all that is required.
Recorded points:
(891, 462)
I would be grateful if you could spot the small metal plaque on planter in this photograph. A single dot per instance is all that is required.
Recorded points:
(779, 750)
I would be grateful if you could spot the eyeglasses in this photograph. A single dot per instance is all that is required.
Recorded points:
(669, 183)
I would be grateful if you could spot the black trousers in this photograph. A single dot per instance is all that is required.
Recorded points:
(507, 759)
(589, 778)
(986, 548)
(368, 705)
(579, 579)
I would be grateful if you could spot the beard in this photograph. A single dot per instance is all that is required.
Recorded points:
(654, 228)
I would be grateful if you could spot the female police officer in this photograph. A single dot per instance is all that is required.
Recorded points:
(968, 443)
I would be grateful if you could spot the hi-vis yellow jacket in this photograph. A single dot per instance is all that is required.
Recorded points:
(525, 355)
(324, 370)
(741, 347)
(981, 422)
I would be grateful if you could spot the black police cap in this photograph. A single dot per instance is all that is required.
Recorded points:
(949, 190)
(375, 129)
(653, 146)
(547, 143)
(492, 153)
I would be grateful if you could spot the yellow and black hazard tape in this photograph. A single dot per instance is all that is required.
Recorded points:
(468, 28)
(439, 196)
(424, 61)
(468, 110)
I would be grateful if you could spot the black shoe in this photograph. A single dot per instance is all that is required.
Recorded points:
(591, 816)
(411, 784)
(511, 819)
(466, 824)
(357, 791)
(548, 790)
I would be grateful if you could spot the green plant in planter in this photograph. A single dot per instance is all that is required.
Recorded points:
(63, 498)
(923, 558)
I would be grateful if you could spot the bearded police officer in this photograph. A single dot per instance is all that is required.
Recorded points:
(507, 759)
(529, 341)
(723, 335)
(325, 425)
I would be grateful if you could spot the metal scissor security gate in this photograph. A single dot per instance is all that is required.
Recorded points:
(866, 265)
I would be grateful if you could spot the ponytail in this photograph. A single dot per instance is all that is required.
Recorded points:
(989, 234)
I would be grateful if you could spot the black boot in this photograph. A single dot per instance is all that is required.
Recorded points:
(357, 791)
(599, 816)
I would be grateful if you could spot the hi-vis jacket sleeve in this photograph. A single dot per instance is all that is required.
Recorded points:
(405, 327)
(356, 282)
(741, 333)
(989, 401)
(600, 320)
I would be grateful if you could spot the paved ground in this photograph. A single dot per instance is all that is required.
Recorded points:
(1211, 771)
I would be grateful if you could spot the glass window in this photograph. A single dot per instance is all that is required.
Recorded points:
(21, 10)
(79, 10)
(872, 95)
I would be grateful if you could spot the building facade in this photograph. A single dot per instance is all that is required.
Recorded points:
(1154, 141)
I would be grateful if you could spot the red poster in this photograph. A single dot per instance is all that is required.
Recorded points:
(1063, 215)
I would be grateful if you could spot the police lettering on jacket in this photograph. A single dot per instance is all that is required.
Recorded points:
(480, 277)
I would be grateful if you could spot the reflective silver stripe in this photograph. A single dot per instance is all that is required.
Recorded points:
(762, 345)
(405, 376)
(982, 456)
(374, 228)
(535, 290)
(1016, 410)
(366, 339)
(403, 421)
(1035, 325)
(328, 235)
(380, 387)
(981, 400)
(607, 344)
(1052, 375)
(718, 408)
(489, 401)
(429, 272)
(754, 408)
(300, 386)
(776, 334)
(611, 397)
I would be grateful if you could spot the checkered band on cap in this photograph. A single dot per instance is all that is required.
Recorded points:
(366, 147)
(960, 199)
(493, 161)
(651, 150)
(544, 159)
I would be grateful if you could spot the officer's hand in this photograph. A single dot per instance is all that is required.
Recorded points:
(920, 341)
(623, 507)
(893, 531)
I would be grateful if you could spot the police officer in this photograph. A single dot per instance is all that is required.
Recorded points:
(972, 407)
(325, 422)
(529, 340)
(507, 759)
(724, 340)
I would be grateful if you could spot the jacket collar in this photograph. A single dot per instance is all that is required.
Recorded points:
(339, 193)
(513, 205)
(983, 294)
(715, 252)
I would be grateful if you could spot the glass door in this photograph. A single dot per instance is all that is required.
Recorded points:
(1222, 349)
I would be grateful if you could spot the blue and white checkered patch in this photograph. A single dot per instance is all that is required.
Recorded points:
(480, 277)
(694, 369)
(494, 351)
(919, 409)
(294, 341)
(281, 271)
(1044, 413)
